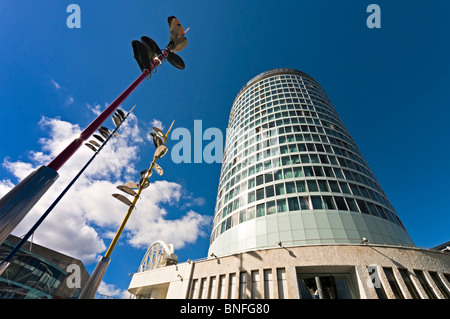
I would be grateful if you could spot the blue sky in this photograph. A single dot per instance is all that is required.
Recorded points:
(389, 85)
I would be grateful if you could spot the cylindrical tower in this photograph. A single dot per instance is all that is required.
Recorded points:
(292, 174)
(299, 213)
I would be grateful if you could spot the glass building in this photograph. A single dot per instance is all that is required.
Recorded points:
(37, 272)
(292, 174)
(299, 214)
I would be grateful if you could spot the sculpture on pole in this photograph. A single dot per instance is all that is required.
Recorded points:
(16, 204)
(95, 279)
(118, 118)
(149, 56)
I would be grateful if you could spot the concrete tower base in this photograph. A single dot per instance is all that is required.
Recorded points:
(315, 271)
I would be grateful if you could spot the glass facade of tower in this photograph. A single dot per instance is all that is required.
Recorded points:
(292, 175)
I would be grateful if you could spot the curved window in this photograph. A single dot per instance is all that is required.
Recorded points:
(293, 204)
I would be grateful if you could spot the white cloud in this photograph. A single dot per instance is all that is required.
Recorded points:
(110, 290)
(56, 84)
(157, 123)
(150, 223)
(96, 109)
(88, 213)
(5, 186)
(199, 201)
(149, 127)
(70, 100)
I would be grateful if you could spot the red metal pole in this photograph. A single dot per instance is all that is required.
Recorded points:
(62, 157)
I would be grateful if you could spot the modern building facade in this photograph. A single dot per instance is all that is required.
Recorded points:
(299, 213)
(37, 272)
(292, 173)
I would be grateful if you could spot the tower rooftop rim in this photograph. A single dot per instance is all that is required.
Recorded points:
(269, 73)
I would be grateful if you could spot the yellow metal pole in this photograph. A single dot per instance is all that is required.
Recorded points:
(130, 209)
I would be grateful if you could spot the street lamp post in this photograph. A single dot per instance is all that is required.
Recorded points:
(119, 119)
(95, 279)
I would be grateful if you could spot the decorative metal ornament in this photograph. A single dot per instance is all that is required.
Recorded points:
(105, 131)
(157, 141)
(91, 147)
(94, 143)
(144, 172)
(118, 116)
(175, 60)
(144, 183)
(131, 185)
(158, 169)
(99, 138)
(121, 113)
(177, 40)
(116, 120)
(159, 131)
(141, 55)
(153, 49)
(123, 199)
(149, 56)
(127, 190)
(160, 151)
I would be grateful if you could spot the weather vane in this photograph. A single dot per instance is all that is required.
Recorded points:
(16, 204)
